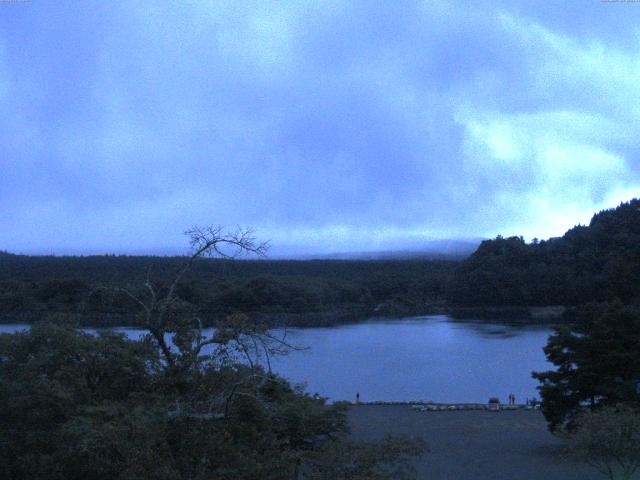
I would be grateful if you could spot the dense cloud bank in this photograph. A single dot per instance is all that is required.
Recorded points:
(327, 127)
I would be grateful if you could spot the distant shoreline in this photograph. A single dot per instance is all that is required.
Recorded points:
(525, 315)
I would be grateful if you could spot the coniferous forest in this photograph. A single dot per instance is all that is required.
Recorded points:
(142, 409)
(295, 240)
(597, 262)
(299, 292)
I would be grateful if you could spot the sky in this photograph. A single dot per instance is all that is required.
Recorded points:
(323, 126)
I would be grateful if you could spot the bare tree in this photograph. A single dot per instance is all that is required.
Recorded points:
(162, 311)
(234, 344)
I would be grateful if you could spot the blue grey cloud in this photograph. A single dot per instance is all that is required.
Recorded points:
(324, 125)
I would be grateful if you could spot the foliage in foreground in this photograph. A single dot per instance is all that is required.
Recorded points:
(78, 406)
(178, 405)
(608, 439)
(598, 363)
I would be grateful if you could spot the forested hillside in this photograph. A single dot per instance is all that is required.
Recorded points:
(300, 292)
(598, 262)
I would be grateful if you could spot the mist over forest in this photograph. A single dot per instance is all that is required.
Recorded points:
(595, 262)
(302, 240)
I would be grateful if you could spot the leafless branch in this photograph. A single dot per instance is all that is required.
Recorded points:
(210, 241)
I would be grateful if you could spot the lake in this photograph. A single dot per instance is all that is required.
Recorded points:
(421, 358)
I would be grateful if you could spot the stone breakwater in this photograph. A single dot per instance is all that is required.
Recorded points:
(428, 406)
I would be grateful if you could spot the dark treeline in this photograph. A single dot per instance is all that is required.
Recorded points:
(74, 405)
(598, 262)
(298, 292)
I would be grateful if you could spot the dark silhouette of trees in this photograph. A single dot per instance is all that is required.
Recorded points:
(609, 440)
(297, 291)
(164, 313)
(597, 363)
(177, 405)
(599, 262)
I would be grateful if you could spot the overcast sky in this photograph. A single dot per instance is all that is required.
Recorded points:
(324, 125)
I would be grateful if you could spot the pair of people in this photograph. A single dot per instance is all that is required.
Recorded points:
(512, 399)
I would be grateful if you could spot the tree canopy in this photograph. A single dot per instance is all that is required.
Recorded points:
(598, 262)
(292, 291)
(598, 363)
(609, 440)
(76, 406)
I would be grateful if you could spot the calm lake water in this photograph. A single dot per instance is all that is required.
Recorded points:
(422, 358)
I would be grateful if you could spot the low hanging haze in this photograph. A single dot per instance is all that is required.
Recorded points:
(326, 126)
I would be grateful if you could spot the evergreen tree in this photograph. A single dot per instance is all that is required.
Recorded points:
(597, 356)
